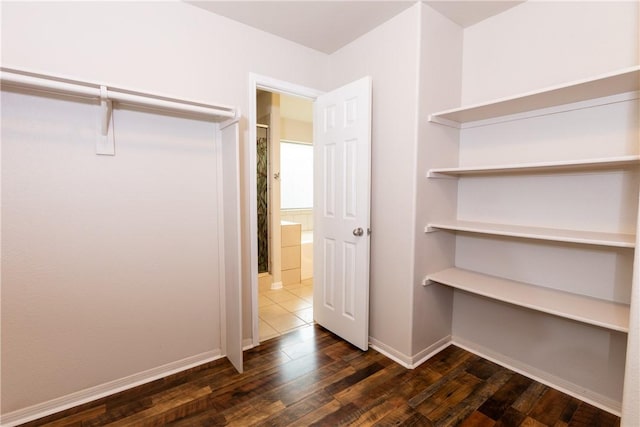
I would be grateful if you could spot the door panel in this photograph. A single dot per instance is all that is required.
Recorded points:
(342, 152)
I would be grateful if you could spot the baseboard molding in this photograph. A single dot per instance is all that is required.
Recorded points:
(93, 393)
(247, 344)
(276, 285)
(567, 387)
(410, 362)
(426, 354)
(390, 352)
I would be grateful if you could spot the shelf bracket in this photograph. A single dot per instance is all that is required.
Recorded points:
(105, 141)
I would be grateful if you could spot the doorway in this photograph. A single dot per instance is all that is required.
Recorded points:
(284, 198)
(341, 206)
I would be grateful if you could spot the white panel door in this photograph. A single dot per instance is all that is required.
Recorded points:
(342, 159)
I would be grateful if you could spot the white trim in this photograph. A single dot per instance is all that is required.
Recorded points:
(253, 207)
(391, 353)
(93, 393)
(567, 387)
(426, 354)
(270, 84)
(282, 87)
(410, 362)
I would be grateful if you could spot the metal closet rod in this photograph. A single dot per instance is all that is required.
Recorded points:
(104, 93)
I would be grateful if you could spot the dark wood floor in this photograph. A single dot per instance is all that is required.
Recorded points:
(311, 378)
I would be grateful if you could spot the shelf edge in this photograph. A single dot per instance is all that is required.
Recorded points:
(515, 301)
(439, 117)
(532, 235)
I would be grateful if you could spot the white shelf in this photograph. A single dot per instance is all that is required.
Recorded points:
(621, 162)
(584, 309)
(539, 233)
(626, 80)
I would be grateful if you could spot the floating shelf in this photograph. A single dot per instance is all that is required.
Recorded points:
(626, 80)
(539, 233)
(607, 163)
(606, 314)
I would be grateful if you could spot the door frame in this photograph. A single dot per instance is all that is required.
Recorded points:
(257, 81)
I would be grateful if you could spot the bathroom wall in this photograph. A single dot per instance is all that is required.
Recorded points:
(304, 217)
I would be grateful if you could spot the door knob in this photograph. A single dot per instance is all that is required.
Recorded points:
(358, 231)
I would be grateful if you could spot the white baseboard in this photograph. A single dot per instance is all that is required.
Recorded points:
(247, 344)
(276, 285)
(390, 352)
(410, 362)
(567, 387)
(93, 393)
(426, 354)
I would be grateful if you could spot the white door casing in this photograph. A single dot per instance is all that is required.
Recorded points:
(276, 86)
(342, 172)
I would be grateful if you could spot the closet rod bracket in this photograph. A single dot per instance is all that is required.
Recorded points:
(107, 107)
(105, 142)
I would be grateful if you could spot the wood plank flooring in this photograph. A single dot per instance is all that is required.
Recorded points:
(312, 378)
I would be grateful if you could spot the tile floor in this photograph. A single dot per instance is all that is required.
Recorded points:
(283, 310)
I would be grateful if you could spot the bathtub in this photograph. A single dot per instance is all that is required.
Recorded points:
(306, 255)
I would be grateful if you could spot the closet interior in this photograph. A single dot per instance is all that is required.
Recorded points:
(546, 212)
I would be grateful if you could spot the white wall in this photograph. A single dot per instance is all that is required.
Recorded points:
(539, 44)
(440, 74)
(106, 260)
(529, 47)
(167, 47)
(98, 279)
(389, 54)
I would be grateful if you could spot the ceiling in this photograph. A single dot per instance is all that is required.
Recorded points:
(468, 12)
(327, 26)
